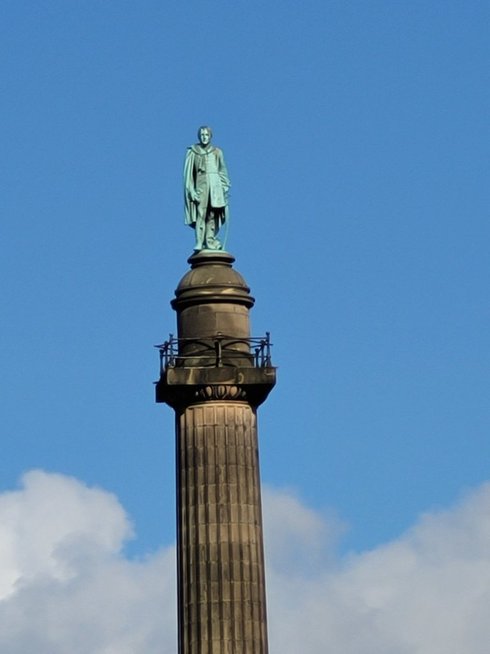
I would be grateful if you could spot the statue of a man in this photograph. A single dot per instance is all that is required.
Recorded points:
(206, 186)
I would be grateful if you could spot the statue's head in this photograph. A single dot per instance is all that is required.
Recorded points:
(204, 134)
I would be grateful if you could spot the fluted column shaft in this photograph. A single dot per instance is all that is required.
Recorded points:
(221, 582)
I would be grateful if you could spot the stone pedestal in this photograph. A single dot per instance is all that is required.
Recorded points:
(215, 382)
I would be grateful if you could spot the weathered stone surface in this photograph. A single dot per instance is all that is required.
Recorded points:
(221, 562)
(212, 298)
(215, 384)
(182, 386)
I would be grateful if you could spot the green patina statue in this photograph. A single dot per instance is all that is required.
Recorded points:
(206, 186)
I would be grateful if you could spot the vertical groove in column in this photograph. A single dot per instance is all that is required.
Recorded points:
(241, 587)
(251, 536)
(207, 446)
(181, 502)
(222, 590)
(221, 578)
(192, 572)
(247, 565)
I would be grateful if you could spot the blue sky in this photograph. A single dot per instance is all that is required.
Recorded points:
(356, 137)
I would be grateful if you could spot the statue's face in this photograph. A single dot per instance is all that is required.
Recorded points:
(204, 136)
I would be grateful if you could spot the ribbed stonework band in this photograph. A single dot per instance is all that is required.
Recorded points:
(220, 548)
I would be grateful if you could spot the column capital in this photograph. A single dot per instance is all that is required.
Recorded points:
(181, 387)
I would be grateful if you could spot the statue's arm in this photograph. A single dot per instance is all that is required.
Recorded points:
(223, 172)
(190, 195)
(189, 182)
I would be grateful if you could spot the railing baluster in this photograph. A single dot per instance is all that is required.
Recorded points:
(170, 352)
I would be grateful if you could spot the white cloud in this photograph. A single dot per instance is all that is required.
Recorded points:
(66, 587)
(300, 541)
(426, 593)
(64, 583)
(50, 520)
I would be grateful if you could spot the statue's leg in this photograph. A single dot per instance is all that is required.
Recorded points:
(200, 227)
(212, 243)
(199, 234)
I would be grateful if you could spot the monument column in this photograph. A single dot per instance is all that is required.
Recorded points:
(215, 376)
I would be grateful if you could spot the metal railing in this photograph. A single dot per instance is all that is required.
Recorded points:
(213, 350)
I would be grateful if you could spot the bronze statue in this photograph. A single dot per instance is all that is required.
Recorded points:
(206, 186)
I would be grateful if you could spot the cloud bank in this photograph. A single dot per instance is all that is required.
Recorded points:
(66, 586)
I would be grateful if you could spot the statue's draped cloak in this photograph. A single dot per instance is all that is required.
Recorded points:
(205, 175)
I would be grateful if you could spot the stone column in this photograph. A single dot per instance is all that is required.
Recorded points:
(215, 384)
(221, 561)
